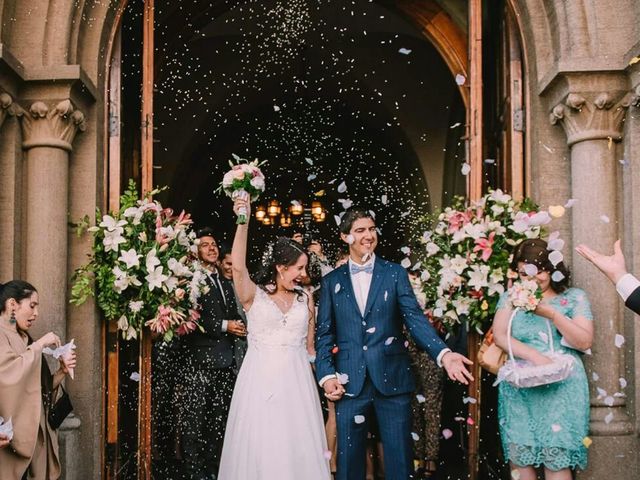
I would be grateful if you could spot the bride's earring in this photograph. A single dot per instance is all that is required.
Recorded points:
(12, 319)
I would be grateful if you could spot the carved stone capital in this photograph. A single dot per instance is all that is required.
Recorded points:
(591, 118)
(7, 107)
(56, 127)
(635, 97)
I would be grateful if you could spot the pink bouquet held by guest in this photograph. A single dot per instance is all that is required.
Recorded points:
(244, 179)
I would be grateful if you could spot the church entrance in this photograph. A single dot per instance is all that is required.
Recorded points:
(363, 102)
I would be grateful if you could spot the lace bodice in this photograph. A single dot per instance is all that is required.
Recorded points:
(267, 325)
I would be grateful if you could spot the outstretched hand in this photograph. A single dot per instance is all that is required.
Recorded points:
(612, 266)
(454, 364)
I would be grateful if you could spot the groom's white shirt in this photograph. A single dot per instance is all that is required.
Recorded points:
(361, 283)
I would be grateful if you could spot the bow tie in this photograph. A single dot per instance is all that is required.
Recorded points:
(364, 268)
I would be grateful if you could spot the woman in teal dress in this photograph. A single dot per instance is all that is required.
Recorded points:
(546, 425)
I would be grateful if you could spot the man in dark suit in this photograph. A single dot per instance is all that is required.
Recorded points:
(363, 306)
(613, 267)
(208, 376)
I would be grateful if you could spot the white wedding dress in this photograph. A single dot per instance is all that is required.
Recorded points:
(275, 429)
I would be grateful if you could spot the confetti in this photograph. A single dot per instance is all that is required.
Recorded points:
(415, 436)
(337, 288)
(556, 211)
(586, 441)
(328, 454)
(135, 376)
(595, 376)
(389, 340)
(342, 187)
(406, 263)
(421, 398)
(460, 79)
(619, 340)
(447, 434)
(570, 203)
(530, 269)
(557, 276)
(515, 474)
(556, 428)
(623, 382)
(604, 219)
(555, 258)
(358, 419)
(343, 378)
(384, 199)
(466, 168)
(471, 400)
(405, 51)
(608, 418)
(371, 330)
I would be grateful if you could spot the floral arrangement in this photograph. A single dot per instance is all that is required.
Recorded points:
(244, 178)
(525, 295)
(465, 252)
(143, 268)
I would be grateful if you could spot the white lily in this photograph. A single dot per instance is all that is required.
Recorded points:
(155, 278)
(110, 223)
(131, 258)
(112, 239)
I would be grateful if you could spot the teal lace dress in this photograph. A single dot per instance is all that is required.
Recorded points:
(546, 425)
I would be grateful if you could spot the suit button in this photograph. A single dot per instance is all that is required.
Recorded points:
(364, 348)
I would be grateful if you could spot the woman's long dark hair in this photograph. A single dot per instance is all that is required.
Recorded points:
(535, 252)
(16, 289)
(283, 251)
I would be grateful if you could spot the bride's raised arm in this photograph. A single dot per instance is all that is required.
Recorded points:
(245, 288)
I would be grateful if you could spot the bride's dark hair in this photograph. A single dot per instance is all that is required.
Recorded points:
(283, 251)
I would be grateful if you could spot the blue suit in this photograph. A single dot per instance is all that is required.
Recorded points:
(371, 350)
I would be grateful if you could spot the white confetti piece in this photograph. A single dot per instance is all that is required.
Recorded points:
(389, 340)
(466, 168)
(405, 51)
(371, 330)
(342, 187)
(135, 376)
(343, 378)
(337, 289)
(350, 239)
(595, 376)
(530, 269)
(470, 400)
(608, 401)
(405, 250)
(447, 434)
(337, 219)
(619, 340)
(425, 275)
(555, 257)
(415, 436)
(604, 219)
(309, 161)
(455, 125)
(622, 382)
(556, 428)
(421, 398)
(311, 177)
(601, 392)
(384, 199)
(358, 419)
(608, 418)
(460, 79)
(557, 276)
(548, 149)
(544, 337)
(406, 263)
(570, 203)
(515, 474)
(386, 295)
(276, 108)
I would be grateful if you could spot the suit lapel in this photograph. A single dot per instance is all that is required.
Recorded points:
(346, 283)
(376, 283)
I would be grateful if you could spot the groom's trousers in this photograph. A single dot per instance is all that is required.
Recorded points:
(393, 414)
(204, 407)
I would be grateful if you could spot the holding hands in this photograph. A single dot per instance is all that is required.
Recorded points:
(237, 328)
(333, 389)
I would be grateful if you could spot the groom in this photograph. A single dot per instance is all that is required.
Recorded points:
(363, 305)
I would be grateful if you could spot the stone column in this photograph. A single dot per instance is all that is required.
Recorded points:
(48, 132)
(593, 125)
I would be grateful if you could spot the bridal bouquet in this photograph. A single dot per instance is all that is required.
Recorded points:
(464, 254)
(525, 295)
(143, 268)
(244, 179)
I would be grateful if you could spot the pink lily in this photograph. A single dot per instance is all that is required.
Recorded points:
(485, 245)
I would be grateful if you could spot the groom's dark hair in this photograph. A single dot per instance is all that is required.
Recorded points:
(353, 214)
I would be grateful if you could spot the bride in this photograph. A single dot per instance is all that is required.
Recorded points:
(275, 427)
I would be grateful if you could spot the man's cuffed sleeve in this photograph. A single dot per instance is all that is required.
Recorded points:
(440, 355)
(225, 324)
(325, 378)
(626, 285)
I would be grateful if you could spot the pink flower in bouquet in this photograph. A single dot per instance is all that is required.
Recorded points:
(194, 315)
(485, 245)
(165, 318)
(186, 327)
(182, 220)
(458, 220)
(238, 173)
